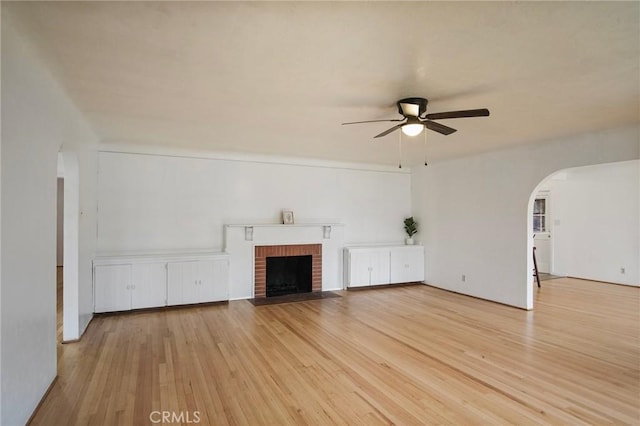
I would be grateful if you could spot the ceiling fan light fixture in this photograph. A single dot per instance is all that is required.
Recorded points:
(412, 129)
(415, 119)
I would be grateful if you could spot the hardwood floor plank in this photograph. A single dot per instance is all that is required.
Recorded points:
(405, 355)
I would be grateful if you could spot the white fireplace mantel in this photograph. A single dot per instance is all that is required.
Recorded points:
(241, 239)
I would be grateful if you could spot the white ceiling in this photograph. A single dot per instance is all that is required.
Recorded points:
(279, 78)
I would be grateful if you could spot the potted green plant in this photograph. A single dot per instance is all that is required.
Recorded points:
(411, 228)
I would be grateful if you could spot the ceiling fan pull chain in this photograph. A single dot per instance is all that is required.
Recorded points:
(400, 150)
(425, 147)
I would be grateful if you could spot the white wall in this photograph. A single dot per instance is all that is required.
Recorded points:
(37, 119)
(154, 202)
(474, 215)
(79, 166)
(595, 222)
(1, 349)
(87, 158)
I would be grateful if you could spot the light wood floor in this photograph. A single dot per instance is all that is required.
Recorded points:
(406, 355)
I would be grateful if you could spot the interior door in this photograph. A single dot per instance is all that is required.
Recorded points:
(542, 233)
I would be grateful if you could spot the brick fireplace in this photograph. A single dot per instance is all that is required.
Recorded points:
(262, 252)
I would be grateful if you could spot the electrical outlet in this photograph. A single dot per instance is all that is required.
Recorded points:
(622, 270)
(464, 278)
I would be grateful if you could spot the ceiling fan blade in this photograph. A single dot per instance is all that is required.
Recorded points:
(386, 132)
(370, 121)
(483, 112)
(440, 128)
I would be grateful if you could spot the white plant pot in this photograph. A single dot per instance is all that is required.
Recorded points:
(408, 241)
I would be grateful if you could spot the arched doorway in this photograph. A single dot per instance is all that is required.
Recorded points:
(590, 219)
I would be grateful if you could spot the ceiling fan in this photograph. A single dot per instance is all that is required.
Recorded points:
(415, 118)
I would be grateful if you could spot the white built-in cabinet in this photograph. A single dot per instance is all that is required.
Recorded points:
(197, 281)
(406, 264)
(112, 288)
(368, 267)
(379, 265)
(130, 286)
(123, 283)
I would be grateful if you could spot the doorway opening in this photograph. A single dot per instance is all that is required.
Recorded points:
(584, 224)
(59, 257)
(68, 170)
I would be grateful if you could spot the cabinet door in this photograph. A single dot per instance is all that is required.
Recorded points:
(221, 280)
(407, 264)
(379, 261)
(112, 288)
(213, 280)
(359, 268)
(182, 283)
(149, 285)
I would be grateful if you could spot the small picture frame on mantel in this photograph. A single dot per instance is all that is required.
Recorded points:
(287, 217)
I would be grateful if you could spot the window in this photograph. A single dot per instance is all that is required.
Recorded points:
(540, 215)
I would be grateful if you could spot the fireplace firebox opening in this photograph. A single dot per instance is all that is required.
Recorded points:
(286, 250)
(288, 275)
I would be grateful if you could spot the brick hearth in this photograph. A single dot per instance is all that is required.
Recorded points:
(262, 252)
